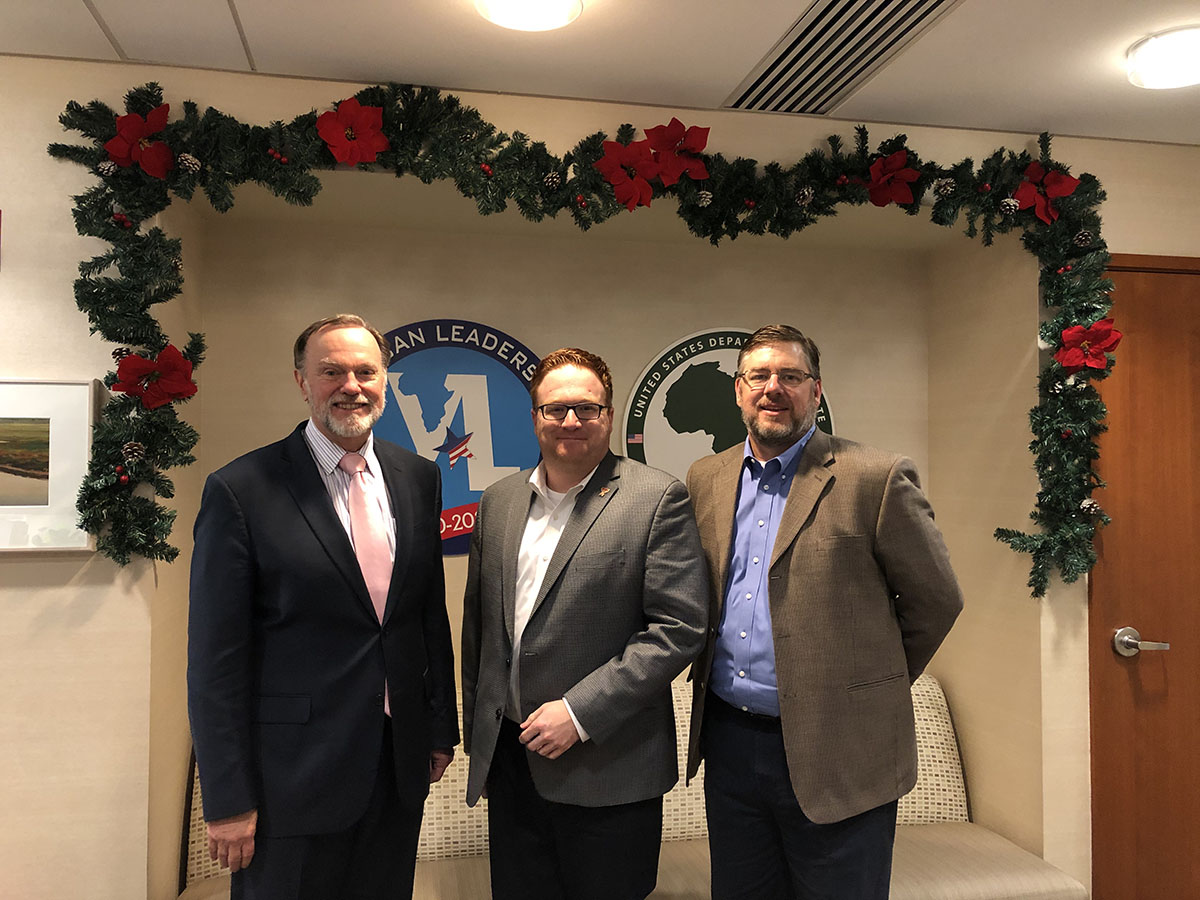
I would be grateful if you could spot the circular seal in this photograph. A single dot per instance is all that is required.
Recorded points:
(458, 394)
(682, 406)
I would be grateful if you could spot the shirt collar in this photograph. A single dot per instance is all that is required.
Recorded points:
(537, 480)
(788, 459)
(328, 454)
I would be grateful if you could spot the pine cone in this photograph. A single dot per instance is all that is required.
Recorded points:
(804, 196)
(188, 163)
(1083, 239)
(177, 263)
(944, 187)
(107, 169)
(1009, 206)
(133, 451)
(552, 181)
(120, 353)
(704, 198)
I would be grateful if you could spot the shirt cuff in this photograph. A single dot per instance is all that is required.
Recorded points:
(583, 735)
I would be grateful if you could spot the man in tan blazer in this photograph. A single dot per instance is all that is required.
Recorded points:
(832, 589)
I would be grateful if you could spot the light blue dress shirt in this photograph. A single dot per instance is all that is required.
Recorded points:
(743, 669)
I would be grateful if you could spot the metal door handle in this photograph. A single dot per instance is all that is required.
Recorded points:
(1128, 642)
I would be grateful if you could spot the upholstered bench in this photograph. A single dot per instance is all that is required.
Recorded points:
(940, 854)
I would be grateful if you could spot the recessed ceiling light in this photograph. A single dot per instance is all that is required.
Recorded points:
(530, 15)
(1169, 59)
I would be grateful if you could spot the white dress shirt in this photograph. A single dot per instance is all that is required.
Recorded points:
(327, 455)
(548, 515)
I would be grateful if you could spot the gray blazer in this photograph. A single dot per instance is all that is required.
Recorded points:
(861, 595)
(622, 611)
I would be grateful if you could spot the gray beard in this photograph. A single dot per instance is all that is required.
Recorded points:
(349, 428)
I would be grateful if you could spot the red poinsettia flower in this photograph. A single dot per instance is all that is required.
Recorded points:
(629, 170)
(890, 177)
(675, 150)
(354, 132)
(1086, 347)
(1041, 187)
(133, 145)
(157, 381)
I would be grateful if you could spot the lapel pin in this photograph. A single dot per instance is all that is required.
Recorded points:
(603, 491)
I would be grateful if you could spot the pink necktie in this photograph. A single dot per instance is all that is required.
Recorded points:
(370, 539)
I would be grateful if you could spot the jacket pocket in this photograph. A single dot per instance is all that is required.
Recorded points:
(875, 682)
(282, 710)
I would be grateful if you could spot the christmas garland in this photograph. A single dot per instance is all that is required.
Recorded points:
(144, 160)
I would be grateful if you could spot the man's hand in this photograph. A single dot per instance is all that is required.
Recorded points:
(231, 841)
(439, 761)
(549, 731)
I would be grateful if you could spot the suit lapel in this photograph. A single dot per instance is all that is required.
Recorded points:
(596, 494)
(812, 473)
(514, 530)
(402, 511)
(310, 495)
(725, 491)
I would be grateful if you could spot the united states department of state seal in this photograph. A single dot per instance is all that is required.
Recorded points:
(458, 394)
(682, 406)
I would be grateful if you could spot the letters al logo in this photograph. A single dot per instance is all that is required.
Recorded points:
(458, 394)
(683, 407)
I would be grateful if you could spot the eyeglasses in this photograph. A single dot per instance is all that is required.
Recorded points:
(790, 378)
(584, 412)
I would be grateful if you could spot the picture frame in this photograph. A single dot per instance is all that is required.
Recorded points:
(45, 444)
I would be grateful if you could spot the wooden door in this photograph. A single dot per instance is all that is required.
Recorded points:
(1145, 709)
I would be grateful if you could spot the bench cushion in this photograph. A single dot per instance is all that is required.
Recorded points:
(963, 861)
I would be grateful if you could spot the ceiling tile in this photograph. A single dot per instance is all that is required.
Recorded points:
(179, 32)
(52, 28)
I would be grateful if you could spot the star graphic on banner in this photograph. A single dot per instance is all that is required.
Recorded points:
(455, 447)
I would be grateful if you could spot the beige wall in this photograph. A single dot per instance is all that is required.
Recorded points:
(91, 722)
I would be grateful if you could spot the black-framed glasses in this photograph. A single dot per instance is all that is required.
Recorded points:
(757, 379)
(584, 412)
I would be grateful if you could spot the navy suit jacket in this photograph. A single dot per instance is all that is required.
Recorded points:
(286, 657)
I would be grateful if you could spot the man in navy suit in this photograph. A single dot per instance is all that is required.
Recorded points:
(320, 670)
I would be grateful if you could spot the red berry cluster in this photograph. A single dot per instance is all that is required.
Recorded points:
(123, 220)
(843, 180)
(580, 201)
(120, 470)
(985, 187)
(276, 155)
(485, 169)
(1063, 270)
(750, 204)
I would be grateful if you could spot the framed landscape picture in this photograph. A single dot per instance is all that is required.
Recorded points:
(45, 438)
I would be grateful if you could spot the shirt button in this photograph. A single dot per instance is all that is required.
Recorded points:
(741, 673)
(756, 560)
(745, 709)
(766, 487)
(748, 596)
(761, 523)
(743, 634)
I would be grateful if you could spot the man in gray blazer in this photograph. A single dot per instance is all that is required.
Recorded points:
(586, 595)
(832, 590)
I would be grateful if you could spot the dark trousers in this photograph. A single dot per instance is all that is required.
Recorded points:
(558, 851)
(374, 859)
(761, 844)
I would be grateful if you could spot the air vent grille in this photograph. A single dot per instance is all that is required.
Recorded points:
(835, 47)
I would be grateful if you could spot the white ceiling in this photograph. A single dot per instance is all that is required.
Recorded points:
(1010, 65)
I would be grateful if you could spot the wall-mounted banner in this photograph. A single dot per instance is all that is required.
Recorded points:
(459, 395)
(682, 406)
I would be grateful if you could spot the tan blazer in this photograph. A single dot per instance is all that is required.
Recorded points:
(861, 595)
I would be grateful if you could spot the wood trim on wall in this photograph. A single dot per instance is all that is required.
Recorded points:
(1173, 265)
